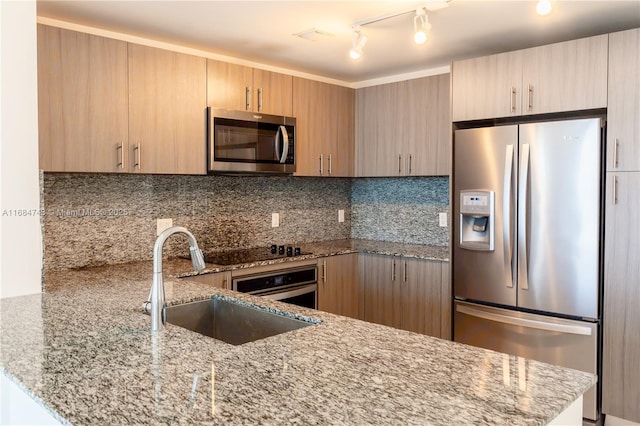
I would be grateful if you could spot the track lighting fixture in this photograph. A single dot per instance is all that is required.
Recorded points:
(421, 26)
(358, 41)
(543, 7)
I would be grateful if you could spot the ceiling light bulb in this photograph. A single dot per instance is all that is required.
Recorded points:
(421, 26)
(543, 7)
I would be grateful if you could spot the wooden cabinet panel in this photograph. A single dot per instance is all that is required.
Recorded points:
(446, 302)
(272, 93)
(338, 285)
(167, 100)
(228, 85)
(217, 279)
(565, 76)
(623, 109)
(324, 128)
(82, 102)
(402, 292)
(487, 87)
(403, 128)
(621, 317)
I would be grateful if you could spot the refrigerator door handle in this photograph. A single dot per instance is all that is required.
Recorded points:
(523, 278)
(524, 322)
(506, 215)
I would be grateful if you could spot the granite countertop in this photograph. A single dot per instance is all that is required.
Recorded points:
(85, 352)
(320, 249)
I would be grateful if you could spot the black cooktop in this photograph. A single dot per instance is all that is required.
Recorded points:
(234, 257)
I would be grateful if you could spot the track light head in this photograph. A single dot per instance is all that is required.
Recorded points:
(358, 41)
(421, 26)
(543, 7)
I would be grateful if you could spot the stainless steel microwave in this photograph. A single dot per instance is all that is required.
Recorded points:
(247, 142)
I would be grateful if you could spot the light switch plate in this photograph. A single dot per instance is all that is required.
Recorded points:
(275, 220)
(340, 216)
(162, 224)
(442, 219)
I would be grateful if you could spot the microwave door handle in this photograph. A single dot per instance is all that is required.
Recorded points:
(285, 143)
(277, 147)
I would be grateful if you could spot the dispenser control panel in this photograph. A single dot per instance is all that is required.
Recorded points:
(477, 220)
(475, 202)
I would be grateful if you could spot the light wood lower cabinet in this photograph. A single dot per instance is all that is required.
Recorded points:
(404, 293)
(621, 316)
(338, 285)
(216, 279)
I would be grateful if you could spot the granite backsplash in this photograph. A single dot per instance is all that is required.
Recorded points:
(96, 219)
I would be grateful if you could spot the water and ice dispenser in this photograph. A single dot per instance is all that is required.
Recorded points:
(477, 219)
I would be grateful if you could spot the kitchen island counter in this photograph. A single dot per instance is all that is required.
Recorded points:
(84, 351)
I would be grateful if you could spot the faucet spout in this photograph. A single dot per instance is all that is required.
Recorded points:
(156, 296)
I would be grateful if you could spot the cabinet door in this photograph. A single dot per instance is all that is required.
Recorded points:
(421, 293)
(426, 126)
(272, 93)
(624, 101)
(167, 120)
(216, 279)
(446, 302)
(380, 289)
(378, 143)
(342, 150)
(314, 126)
(229, 86)
(338, 285)
(621, 347)
(83, 102)
(565, 76)
(487, 87)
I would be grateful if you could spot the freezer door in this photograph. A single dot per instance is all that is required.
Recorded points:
(484, 160)
(567, 343)
(559, 217)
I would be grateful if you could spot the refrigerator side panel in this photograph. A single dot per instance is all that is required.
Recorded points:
(557, 341)
(482, 159)
(559, 217)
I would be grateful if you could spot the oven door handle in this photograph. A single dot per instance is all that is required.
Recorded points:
(298, 291)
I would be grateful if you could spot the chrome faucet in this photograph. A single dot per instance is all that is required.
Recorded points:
(156, 300)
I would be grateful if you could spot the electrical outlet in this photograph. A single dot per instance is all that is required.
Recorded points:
(442, 219)
(275, 220)
(340, 216)
(162, 224)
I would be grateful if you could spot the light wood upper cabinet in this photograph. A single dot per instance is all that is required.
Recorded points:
(167, 105)
(621, 316)
(403, 129)
(324, 128)
(82, 102)
(338, 285)
(623, 112)
(239, 88)
(565, 76)
(485, 87)
(404, 293)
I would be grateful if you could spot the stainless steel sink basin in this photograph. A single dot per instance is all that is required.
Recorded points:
(232, 321)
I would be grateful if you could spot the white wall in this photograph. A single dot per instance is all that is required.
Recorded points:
(21, 236)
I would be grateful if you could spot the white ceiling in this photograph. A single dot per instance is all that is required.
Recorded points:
(262, 31)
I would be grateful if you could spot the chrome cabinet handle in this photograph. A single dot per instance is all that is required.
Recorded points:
(329, 164)
(513, 99)
(410, 158)
(259, 99)
(615, 152)
(137, 151)
(404, 278)
(522, 217)
(247, 98)
(506, 215)
(530, 97)
(399, 163)
(393, 270)
(120, 148)
(320, 170)
(324, 272)
(615, 190)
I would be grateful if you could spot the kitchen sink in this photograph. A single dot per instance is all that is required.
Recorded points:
(232, 321)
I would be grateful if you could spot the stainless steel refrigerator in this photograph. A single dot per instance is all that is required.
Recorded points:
(527, 242)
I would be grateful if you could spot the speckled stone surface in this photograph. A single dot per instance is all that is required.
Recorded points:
(403, 210)
(84, 350)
